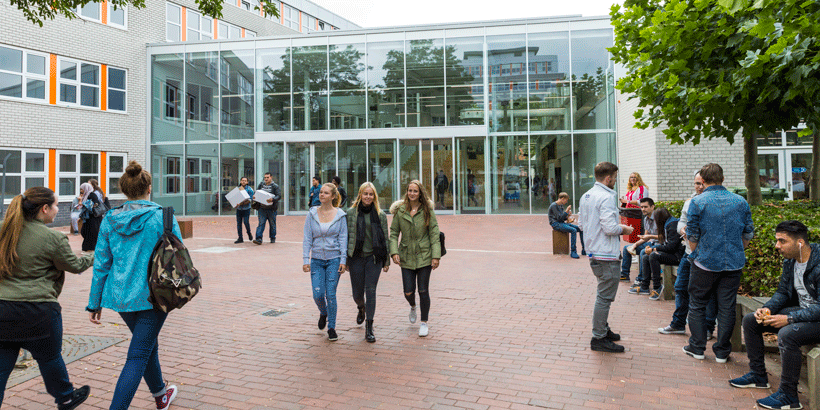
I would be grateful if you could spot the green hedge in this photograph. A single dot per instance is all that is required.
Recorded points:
(763, 263)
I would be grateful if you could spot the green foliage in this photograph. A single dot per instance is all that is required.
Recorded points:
(763, 263)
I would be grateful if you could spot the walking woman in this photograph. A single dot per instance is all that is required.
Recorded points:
(91, 226)
(33, 261)
(367, 253)
(127, 237)
(324, 250)
(419, 250)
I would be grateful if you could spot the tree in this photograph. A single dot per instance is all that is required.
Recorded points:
(37, 11)
(684, 65)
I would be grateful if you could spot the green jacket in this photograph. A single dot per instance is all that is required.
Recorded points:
(352, 217)
(419, 244)
(43, 257)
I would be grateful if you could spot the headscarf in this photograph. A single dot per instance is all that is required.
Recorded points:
(87, 190)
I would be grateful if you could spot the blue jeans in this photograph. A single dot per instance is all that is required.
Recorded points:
(571, 229)
(626, 261)
(243, 216)
(266, 215)
(682, 299)
(47, 354)
(324, 277)
(143, 357)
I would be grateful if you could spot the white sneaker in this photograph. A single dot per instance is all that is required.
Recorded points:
(413, 314)
(423, 330)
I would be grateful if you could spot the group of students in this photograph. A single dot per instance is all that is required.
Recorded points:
(357, 241)
(33, 262)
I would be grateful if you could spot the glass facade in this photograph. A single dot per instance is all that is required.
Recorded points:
(487, 118)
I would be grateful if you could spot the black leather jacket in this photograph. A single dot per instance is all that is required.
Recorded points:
(786, 295)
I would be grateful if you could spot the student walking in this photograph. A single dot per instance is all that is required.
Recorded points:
(342, 193)
(419, 251)
(324, 254)
(313, 199)
(599, 221)
(91, 226)
(243, 212)
(267, 212)
(33, 259)
(120, 283)
(367, 253)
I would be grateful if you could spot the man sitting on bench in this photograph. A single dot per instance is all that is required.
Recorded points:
(793, 313)
(561, 220)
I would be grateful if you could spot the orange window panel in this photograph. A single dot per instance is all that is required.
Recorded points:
(281, 14)
(104, 88)
(243, 32)
(184, 24)
(103, 170)
(52, 169)
(52, 80)
(104, 14)
(216, 28)
(300, 21)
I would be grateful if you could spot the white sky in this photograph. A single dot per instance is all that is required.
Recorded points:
(388, 13)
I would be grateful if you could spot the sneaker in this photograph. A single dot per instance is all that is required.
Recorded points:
(574, 255)
(634, 290)
(322, 321)
(257, 241)
(238, 241)
(360, 316)
(750, 380)
(583, 252)
(654, 295)
(636, 286)
(722, 360)
(412, 314)
(780, 400)
(164, 401)
(331, 335)
(612, 336)
(644, 292)
(669, 330)
(710, 334)
(687, 350)
(76, 398)
(272, 240)
(423, 330)
(625, 278)
(605, 345)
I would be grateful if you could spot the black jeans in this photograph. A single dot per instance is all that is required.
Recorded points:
(703, 285)
(653, 262)
(364, 277)
(243, 216)
(421, 276)
(789, 340)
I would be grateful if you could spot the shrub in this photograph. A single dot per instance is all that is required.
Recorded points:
(764, 265)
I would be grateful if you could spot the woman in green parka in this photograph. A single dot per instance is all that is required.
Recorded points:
(419, 249)
(367, 253)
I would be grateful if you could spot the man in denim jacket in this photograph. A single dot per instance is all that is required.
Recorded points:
(719, 229)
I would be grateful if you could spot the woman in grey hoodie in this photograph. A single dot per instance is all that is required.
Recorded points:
(324, 251)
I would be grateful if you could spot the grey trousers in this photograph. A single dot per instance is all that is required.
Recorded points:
(608, 274)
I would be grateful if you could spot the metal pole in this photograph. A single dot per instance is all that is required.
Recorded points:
(3, 188)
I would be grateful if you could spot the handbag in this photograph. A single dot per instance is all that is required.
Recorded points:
(441, 239)
(100, 208)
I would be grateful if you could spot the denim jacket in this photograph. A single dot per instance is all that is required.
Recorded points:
(719, 221)
(328, 245)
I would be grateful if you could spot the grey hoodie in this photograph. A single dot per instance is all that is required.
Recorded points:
(325, 245)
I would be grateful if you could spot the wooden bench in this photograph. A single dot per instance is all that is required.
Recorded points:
(670, 274)
(186, 228)
(560, 243)
(746, 305)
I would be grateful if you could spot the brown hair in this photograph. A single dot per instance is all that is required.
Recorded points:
(134, 183)
(337, 199)
(424, 203)
(23, 207)
(712, 174)
(604, 169)
(661, 215)
(638, 182)
(563, 195)
(96, 185)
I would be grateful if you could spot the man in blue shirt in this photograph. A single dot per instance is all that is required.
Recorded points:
(719, 229)
(243, 211)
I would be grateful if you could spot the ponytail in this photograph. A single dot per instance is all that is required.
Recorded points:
(23, 207)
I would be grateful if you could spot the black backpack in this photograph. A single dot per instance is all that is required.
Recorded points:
(172, 278)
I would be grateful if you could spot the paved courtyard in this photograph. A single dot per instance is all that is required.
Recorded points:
(509, 329)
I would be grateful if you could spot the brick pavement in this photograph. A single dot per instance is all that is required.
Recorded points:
(509, 329)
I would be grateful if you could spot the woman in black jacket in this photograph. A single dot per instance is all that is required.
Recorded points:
(91, 226)
(668, 251)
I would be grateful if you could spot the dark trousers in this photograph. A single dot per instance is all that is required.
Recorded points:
(626, 260)
(266, 215)
(652, 263)
(364, 277)
(409, 279)
(789, 340)
(243, 216)
(703, 286)
(682, 299)
(47, 354)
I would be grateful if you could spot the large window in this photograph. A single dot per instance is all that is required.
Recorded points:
(117, 16)
(290, 17)
(274, 75)
(79, 83)
(173, 22)
(23, 74)
(90, 11)
(310, 88)
(228, 31)
(465, 83)
(116, 167)
(199, 27)
(75, 168)
(116, 89)
(347, 86)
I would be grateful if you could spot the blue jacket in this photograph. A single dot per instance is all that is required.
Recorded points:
(314, 195)
(248, 206)
(719, 221)
(127, 237)
(325, 245)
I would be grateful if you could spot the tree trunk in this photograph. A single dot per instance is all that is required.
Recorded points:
(814, 176)
(753, 195)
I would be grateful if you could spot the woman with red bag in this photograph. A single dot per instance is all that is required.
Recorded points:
(636, 190)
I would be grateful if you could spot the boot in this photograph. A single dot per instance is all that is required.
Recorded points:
(368, 332)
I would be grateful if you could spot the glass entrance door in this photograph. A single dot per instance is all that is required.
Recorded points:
(799, 171)
(299, 176)
(438, 166)
(470, 186)
(771, 168)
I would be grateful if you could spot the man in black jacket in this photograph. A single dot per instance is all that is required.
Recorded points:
(793, 313)
(267, 212)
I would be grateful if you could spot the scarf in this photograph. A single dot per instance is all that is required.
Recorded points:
(379, 248)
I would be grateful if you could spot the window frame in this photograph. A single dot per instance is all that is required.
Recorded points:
(204, 21)
(124, 26)
(111, 88)
(168, 21)
(23, 174)
(78, 83)
(25, 76)
(79, 13)
(77, 174)
(109, 172)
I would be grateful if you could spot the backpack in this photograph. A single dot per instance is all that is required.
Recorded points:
(172, 278)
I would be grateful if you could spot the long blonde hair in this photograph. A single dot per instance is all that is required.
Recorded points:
(337, 199)
(362, 187)
(23, 207)
(638, 182)
(424, 202)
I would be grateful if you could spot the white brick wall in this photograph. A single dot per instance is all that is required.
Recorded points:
(636, 148)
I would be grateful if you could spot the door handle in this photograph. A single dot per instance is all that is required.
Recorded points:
(790, 186)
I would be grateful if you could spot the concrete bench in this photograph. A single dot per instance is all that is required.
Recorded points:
(746, 305)
(186, 228)
(560, 243)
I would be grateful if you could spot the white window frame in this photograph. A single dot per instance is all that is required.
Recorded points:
(206, 25)
(287, 13)
(110, 88)
(23, 174)
(99, 12)
(78, 83)
(250, 34)
(177, 23)
(76, 174)
(178, 175)
(26, 76)
(125, 17)
(109, 173)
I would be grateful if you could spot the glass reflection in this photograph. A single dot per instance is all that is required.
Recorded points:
(237, 162)
(310, 88)
(352, 166)
(236, 80)
(510, 174)
(590, 149)
(166, 98)
(551, 167)
(592, 79)
(201, 167)
(385, 79)
(347, 86)
(383, 169)
(274, 72)
(202, 95)
(549, 89)
(425, 83)
(508, 86)
(166, 172)
(465, 85)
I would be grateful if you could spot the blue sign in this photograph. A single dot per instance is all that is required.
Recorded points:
(799, 170)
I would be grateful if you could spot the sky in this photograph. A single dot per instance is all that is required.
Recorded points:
(390, 13)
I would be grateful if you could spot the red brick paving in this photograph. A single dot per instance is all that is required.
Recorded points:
(509, 329)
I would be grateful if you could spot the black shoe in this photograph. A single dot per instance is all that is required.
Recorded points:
(250, 236)
(257, 241)
(605, 345)
(368, 332)
(322, 321)
(76, 398)
(272, 240)
(331, 335)
(583, 252)
(360, 316)
(239, 240)
(612, 336)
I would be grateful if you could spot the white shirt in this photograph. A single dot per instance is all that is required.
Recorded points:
(802, 294)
